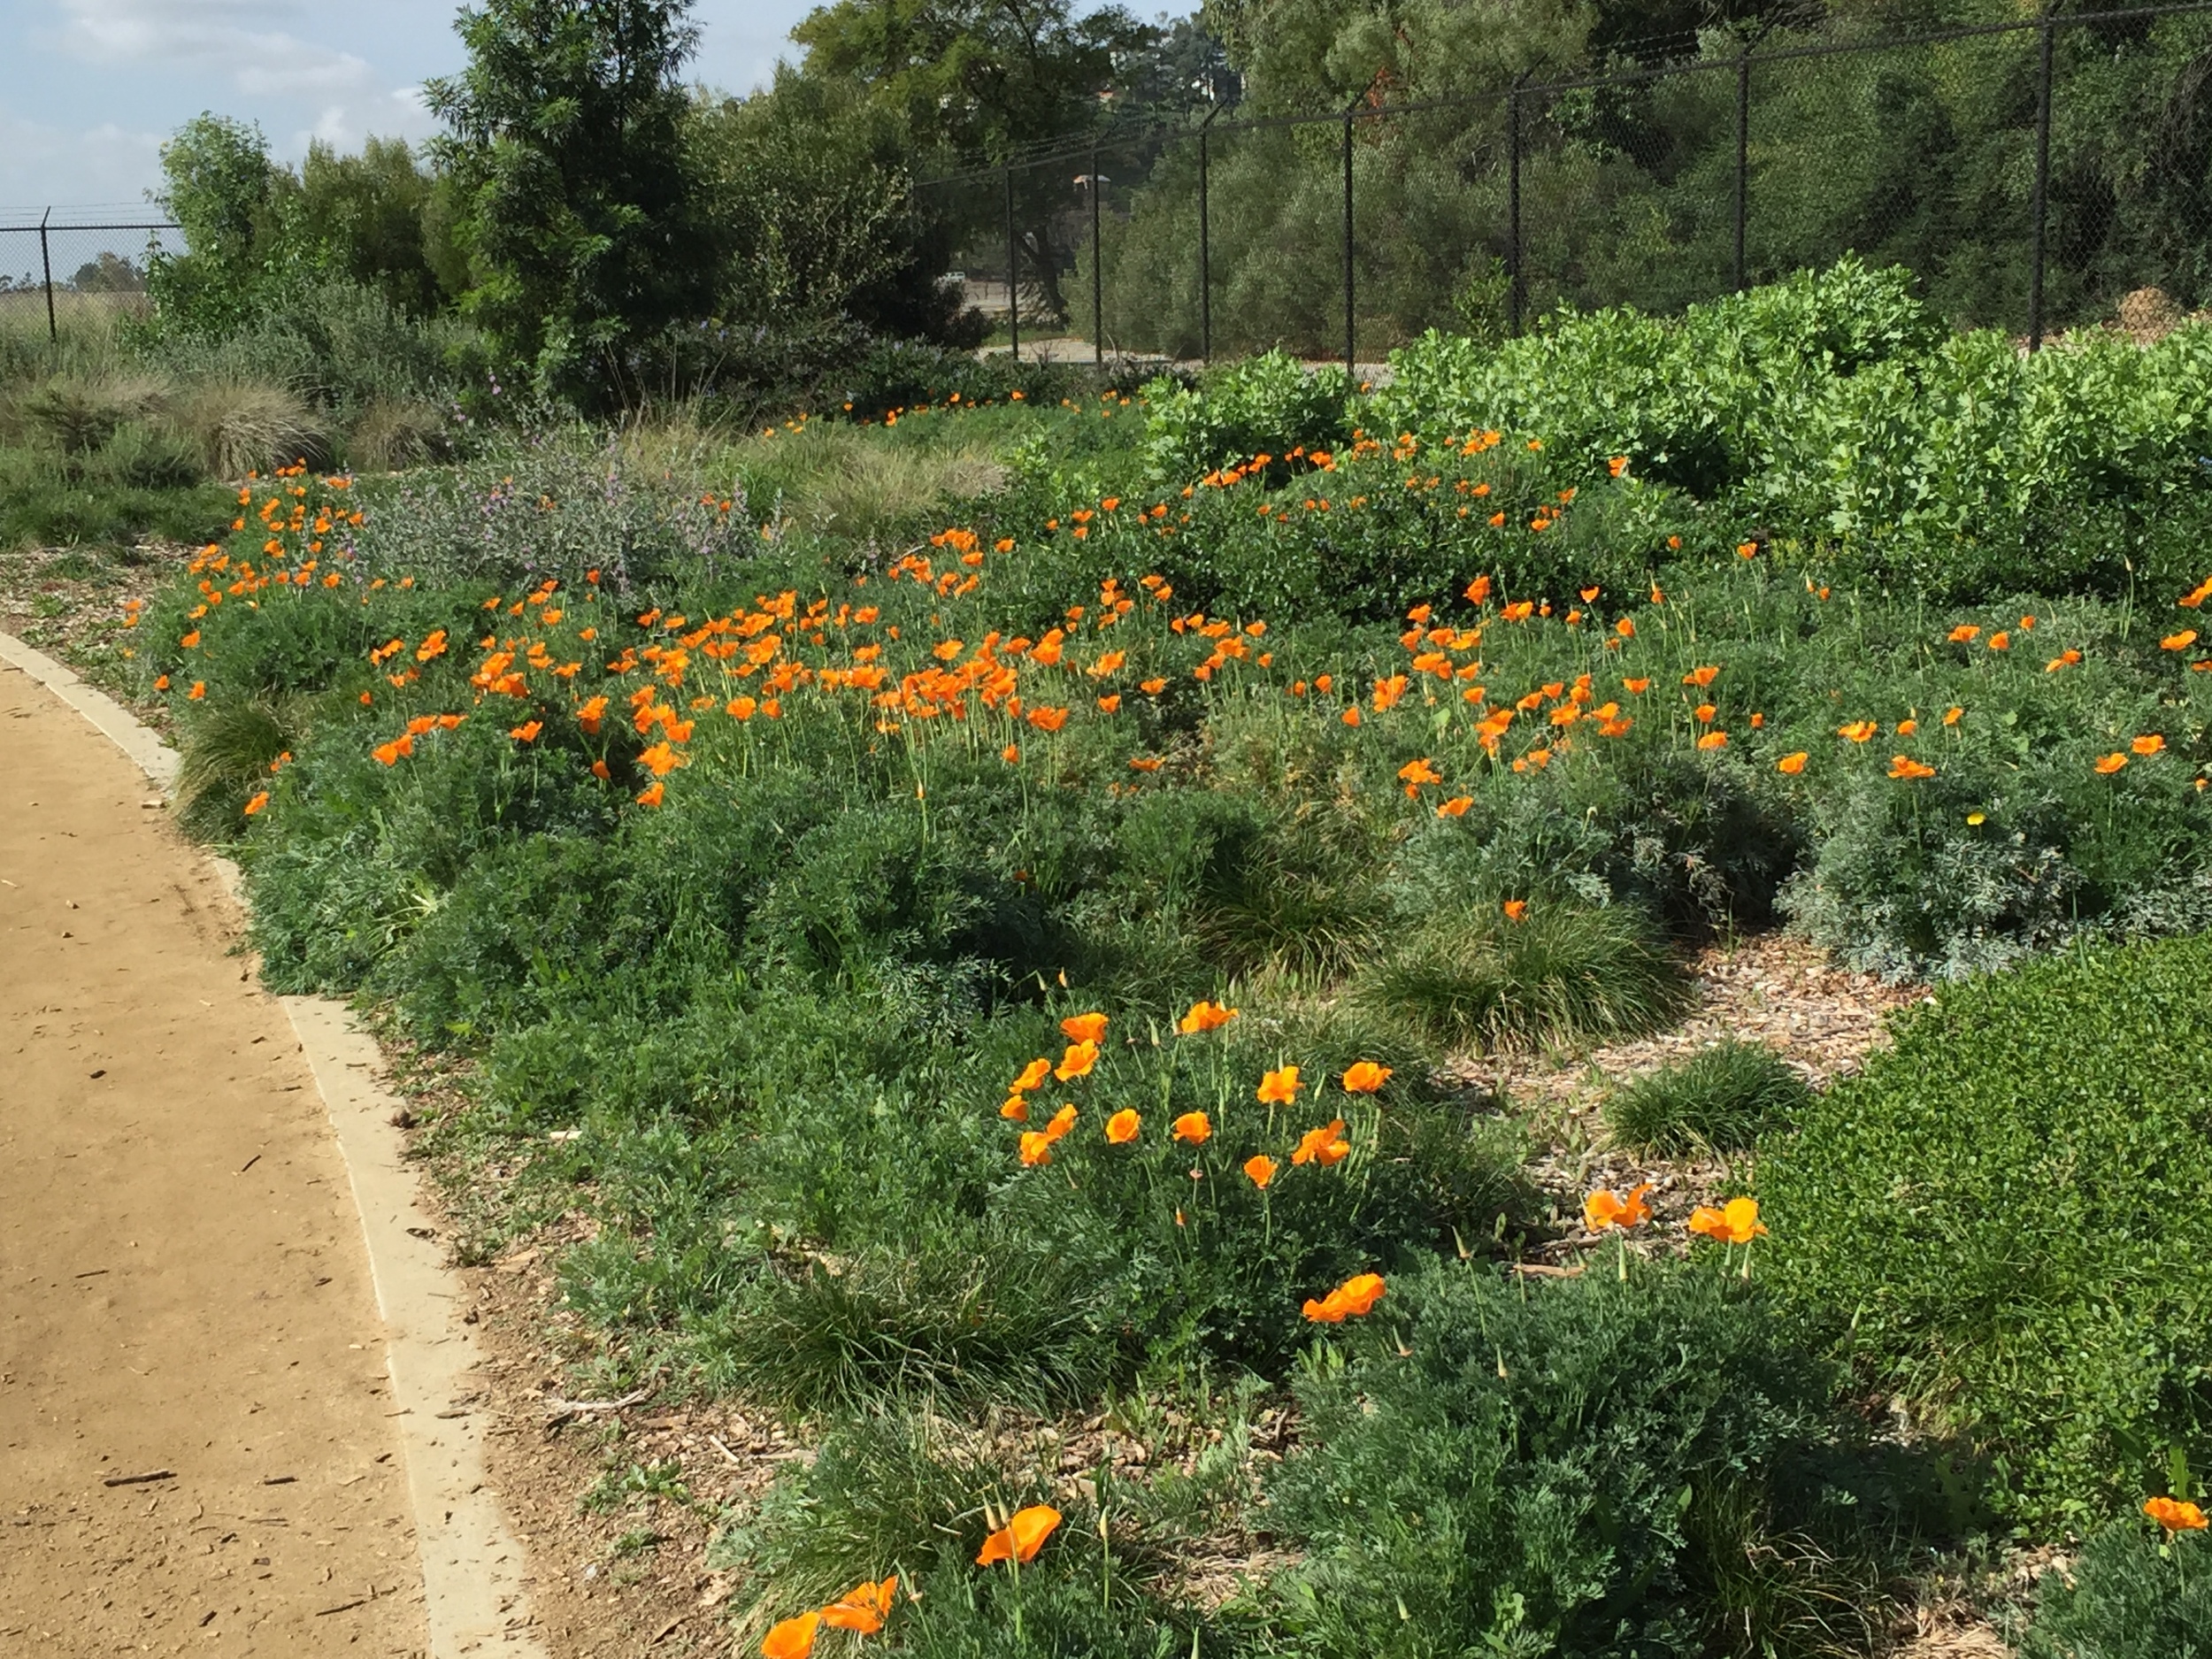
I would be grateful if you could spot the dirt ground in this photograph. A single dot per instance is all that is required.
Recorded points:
(194, 1411)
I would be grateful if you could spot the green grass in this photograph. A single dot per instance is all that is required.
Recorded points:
(1721, 1099)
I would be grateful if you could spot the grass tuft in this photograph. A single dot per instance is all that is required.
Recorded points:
(1723, 1099)
(1562, 978)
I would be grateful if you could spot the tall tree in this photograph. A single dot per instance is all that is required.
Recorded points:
(579, 206)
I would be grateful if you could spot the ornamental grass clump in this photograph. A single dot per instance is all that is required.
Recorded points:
(1721, 1099)
(1552, 976)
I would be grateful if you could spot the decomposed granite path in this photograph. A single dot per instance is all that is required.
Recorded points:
(197, 1444)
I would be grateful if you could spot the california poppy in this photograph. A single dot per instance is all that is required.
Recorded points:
(1021, 1538)
(1516, 910)
(1364, 1076)
(863, 1608)
(1036, 1147)
(1281, 1086)
(2149, 745)
(2180, 642)
(1735, 1222)
(1062, 1121)
(1014, 1109)
(1195, 1128)
(1904, 766)
(527, 732)
(1713, 740)
(1204, 1016)
(2112, 763)
(1261, 1168)
(1858, 731)
(1965, 634)
(2174, 1515)
(258, 803)
(1033, 1074)
(1604, 1208)
(1356, 1295)
(1084, 1027)
(1457, 807)
(1078, 1062)
(792, 1639)
(1792, 763)
(1325, 1145)
(1122, 1127)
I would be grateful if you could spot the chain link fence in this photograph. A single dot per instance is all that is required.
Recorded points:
(2034, 175)
(84, 267)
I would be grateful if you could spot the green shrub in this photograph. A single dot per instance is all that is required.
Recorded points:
(2130, 1595)
(1270, 404)
(1723, 1099)
(1649, 1466)
(228, 756)
(1562, 976)
(2003, 1218)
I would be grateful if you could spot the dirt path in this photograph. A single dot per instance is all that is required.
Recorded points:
(183, 1290)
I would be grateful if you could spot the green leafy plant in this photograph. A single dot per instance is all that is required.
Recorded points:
(2132, 1593)
(1957, 1212)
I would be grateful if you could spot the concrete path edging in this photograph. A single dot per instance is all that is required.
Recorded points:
(474, 1592)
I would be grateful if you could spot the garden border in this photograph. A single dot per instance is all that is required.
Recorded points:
(474, 1567)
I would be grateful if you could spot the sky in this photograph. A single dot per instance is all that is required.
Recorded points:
(88, 88)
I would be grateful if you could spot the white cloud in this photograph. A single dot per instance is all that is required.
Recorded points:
(261, 59)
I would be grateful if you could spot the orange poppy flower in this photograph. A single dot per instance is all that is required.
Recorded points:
(2064, 659)
(792, 1639)
(1953, 715)
(258, 803)
(653, 794)
(1077, 1061)
(1279, 1086)
(1122, 1127)
(1965, 634)
(1356, 1295)
(1713, 740)
(1144, 763)
(1701, 677)
(1414, 774)
(1604, 1208)
(1638, 687)
(2149, 745)
(1204, 1016)
(198, 692)
(2174, 1515)
(1036, 1147)
(1261, 1168)
(1515, 909)
(1904, 766)
(1062, 1121)
(1152, 687)
(2112, 763)
(1084, 1027)
(1195, 1128)
(1858, 731)
(1457, 807)
(1010, 754)
(1479, 590)
(2180, 642)
(527, 732)
(1792, 763)
(1021, 1538)
(1364, 1076)
(863, 1608)
(1325, 1145)
(1735, 1222)
(1031, 1075)
(1014, 1109)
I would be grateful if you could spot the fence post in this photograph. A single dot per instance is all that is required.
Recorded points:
(1205, 241)
(2041, 208)
(1743, 160)
(1513, 205)
(1013, 270)
(1350, 372)
(1098, 280)
(46, 262)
